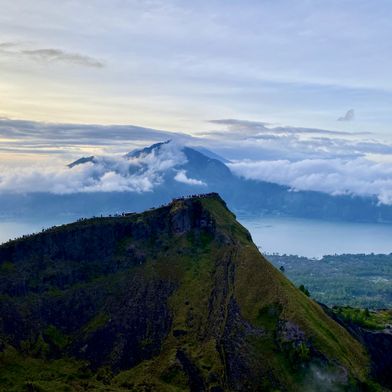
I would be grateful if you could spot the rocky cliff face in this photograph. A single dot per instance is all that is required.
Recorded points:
(176, 298)
(378, 344)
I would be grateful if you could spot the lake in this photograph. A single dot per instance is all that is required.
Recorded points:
(304, 237)
(10, 229)
(314, 238)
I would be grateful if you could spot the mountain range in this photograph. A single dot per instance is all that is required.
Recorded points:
(154, 175)
(177, 298)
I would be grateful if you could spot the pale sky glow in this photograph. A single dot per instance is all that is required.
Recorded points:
(176, 64)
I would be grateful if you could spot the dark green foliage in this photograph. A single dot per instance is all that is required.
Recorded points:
(268, 316)
(304, 290)
(296, 353)
(375, 319)
(363, 281)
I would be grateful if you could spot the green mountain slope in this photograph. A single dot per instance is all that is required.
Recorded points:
(174, 299)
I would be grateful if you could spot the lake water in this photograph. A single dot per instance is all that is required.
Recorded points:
(10, 229)
(311, 238)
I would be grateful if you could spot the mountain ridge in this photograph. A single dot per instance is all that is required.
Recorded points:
(175, 298)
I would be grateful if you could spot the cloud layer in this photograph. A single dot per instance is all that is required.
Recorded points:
(104, 174)
(334, 176)
(181, 176)
(302, 158)
(246, 127)
(48, 55)
(72, 140)
(334, 162)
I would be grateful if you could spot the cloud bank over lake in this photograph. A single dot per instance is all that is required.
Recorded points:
(329, 161)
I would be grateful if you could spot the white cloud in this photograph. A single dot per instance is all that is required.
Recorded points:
(242, 128)
(358, 176)
(106, 174)
(301, 158)
(182, 177)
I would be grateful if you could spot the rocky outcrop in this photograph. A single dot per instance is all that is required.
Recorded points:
(378, 343)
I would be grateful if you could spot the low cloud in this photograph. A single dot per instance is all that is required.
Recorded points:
(58, 55)
(349, 116)
(243, 128)
(182, 177)
(31, 136)
(272, 143)
(49, 55)
(334, 176)
(105, 174)
(301, 158)
(6, 45)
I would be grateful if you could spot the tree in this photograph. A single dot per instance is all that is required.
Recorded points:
(304, 290)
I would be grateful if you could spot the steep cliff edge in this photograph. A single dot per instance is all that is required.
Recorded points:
(174, 299)
(375, 334)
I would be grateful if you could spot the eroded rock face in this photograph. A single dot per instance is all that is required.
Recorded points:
(130, 330)
(378, 343)
(241, 368)
(379, 346)
(191, 215)
(291, 332)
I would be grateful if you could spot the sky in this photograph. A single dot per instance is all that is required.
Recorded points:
(176, 64)
(273, 85)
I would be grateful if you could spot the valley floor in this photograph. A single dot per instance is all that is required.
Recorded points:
(357, 280)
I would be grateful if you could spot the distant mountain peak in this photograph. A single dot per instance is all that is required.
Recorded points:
(174, 168)
(210, 154)
(146, 150)
(81, 161)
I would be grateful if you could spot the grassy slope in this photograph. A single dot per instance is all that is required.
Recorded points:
(259, 285)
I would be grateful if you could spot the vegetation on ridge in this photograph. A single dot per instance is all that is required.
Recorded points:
(358, 280)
